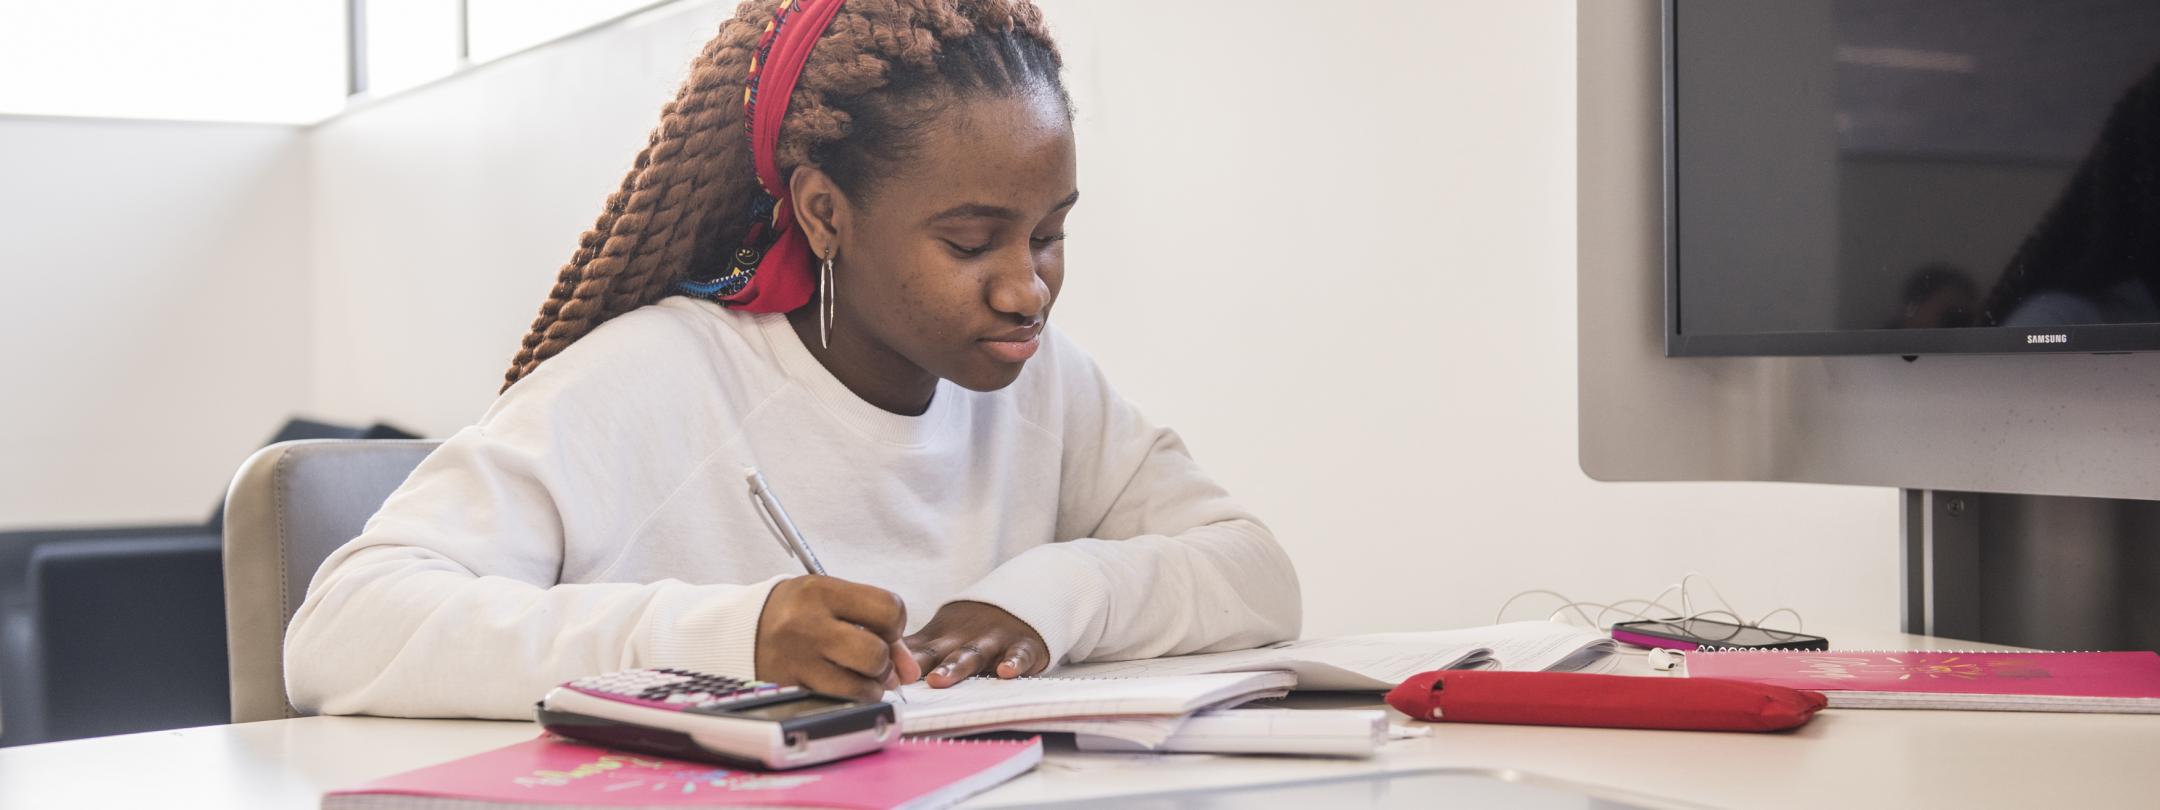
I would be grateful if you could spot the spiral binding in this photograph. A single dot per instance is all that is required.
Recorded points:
(1055, 678)
(928, 740)
(1722, 650)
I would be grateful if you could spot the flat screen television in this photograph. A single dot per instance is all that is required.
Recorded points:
(1911, 177)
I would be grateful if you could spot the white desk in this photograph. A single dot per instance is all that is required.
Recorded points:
(1845, 758)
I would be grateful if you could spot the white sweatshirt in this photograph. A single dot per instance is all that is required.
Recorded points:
(597, 519)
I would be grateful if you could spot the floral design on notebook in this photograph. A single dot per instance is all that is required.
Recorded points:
(618, 773)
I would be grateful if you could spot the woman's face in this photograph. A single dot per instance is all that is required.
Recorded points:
(948, 268)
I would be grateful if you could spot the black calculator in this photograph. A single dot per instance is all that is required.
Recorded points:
(714, 718)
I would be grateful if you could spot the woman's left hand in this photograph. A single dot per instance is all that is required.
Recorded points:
(966, 639)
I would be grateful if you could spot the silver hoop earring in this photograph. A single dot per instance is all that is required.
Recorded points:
(827, 310)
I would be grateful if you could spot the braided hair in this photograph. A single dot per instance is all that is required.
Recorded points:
(875, 81)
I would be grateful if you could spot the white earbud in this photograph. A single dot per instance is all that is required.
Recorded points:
(1664, 660)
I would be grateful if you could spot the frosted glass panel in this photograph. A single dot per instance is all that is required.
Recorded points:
(500, 27)
(410, 42)
(212, 60)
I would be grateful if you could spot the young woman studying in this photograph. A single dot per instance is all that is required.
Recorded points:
(835, 262)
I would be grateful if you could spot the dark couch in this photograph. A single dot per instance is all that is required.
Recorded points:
(117, 630)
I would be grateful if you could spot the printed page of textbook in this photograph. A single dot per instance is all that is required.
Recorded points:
(1379, 661)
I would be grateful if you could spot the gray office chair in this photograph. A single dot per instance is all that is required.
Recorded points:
(292, 504)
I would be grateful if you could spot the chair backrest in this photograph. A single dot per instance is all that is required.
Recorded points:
(291, 504)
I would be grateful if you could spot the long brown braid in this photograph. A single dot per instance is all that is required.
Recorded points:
(877, 77)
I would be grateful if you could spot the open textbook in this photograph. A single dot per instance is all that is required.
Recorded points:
(1379, 661)
(1146, 701)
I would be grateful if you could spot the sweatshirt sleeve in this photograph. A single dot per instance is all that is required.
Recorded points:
(1153, 557)
(448, 603)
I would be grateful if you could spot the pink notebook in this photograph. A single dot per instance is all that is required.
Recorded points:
(552, 773)
(2126, 682)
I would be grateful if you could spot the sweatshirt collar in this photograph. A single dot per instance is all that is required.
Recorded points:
(851, 410)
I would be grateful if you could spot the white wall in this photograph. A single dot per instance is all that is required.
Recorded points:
(156, 278)
(1338, 255)
(1358, 257)
(444, 213)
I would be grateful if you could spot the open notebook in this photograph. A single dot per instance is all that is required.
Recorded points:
(1379, 661)
(1146, 701)
(989, 704)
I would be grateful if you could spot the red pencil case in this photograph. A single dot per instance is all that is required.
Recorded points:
(1603, 701)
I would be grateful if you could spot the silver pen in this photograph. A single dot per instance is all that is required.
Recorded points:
(790, 537)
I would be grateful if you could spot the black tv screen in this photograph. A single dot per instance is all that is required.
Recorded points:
(1912, 176)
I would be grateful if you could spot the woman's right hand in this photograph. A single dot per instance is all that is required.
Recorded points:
(834, 637)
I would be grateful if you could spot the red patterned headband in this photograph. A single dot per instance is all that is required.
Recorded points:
(771, 270)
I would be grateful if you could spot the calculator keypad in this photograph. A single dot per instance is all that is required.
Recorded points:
(679, 689)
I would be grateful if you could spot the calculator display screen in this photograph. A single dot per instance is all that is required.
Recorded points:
(791, 709)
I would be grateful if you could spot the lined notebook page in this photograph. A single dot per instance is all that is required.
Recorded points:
(978, 703)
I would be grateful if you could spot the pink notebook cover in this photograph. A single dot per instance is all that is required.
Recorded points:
(2055, 674)
(548, 771)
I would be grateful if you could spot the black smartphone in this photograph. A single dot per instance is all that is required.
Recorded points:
(1691, 634)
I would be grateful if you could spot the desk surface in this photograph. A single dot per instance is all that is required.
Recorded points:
(1845, 758)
